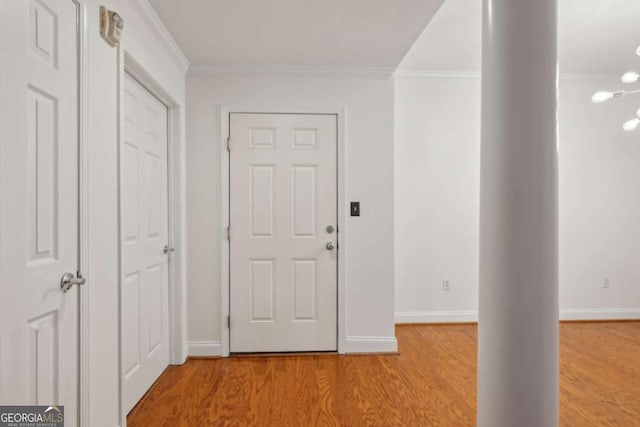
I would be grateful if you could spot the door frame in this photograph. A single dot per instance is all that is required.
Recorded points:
(127, 64)
(224, 191)
(84, 302)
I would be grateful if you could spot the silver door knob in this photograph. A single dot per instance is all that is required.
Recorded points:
(69, 279)
(330, 246)
(167, 249)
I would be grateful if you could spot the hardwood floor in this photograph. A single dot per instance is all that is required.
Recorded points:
(432, 382)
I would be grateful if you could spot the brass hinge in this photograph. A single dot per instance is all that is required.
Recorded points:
(229, 144)
(228, 321)
(229, 233)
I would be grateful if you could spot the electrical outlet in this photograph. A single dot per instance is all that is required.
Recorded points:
(446, 286)
(605, 283)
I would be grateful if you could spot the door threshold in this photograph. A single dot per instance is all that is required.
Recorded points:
(285, 354)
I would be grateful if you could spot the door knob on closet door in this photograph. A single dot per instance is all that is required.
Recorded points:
(330, 246)
(70, 279)
(167, 249)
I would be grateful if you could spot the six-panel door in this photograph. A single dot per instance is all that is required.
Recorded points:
(39, 204)
(144, 222)
(283, 196)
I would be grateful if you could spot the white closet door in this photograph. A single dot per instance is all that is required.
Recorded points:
(39, 204)
(143, 193)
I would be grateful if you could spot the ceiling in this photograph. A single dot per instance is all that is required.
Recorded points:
(295, 33)
(595, 37)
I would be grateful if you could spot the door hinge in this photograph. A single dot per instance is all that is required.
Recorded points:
(229, 233)
(228, 321)
(229, 144)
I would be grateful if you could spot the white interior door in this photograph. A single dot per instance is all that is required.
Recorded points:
(144, 222)
(39, 203)
(283, 256)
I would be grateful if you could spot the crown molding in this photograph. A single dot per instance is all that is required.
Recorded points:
(476, 74)
(590, 76)
(374, 73)
(153, 21)
(435, 74)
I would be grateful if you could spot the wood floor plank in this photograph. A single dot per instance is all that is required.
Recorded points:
(432, 381)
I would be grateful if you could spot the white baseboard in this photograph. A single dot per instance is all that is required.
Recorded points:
(599, 313)
(371, 345)
(462, 316)
(352, 345)
(205, 348)
(450, 316)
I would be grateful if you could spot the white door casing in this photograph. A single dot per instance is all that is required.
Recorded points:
(39, 142)
(283, 196)
(144, 222)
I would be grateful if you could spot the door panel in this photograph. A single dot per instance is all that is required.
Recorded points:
(145, 293)
(283, 184)
(39, 140)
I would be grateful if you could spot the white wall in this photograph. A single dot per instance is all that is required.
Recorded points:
(101, 121)
(369, 179)
(599, 203)
(437, 189)
(437, 193)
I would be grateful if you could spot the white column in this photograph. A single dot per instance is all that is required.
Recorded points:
(518, 319)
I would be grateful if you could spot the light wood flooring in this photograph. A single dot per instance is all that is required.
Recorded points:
(432, 382)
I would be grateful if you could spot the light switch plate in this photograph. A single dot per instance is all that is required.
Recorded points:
(355, 208)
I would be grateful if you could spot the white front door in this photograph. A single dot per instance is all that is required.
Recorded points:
(39, 204)
(144, 222)
(283, 232)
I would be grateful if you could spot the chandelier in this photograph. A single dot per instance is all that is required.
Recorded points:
(628, 78)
